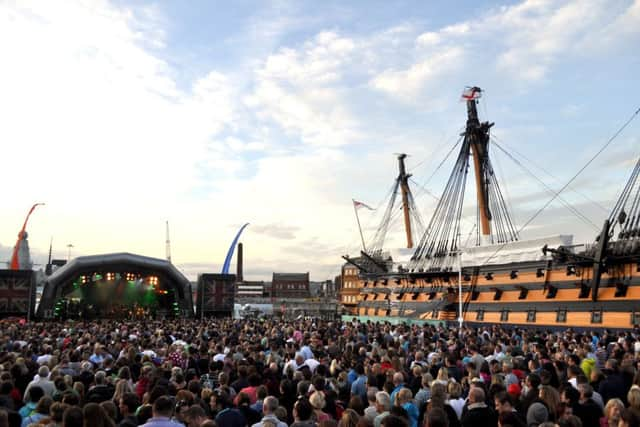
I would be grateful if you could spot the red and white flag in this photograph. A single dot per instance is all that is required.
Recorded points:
(358, 205)
(471, 93)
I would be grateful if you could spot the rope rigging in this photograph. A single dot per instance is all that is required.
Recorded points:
(573, 178)
(440, 244)
(566, 204)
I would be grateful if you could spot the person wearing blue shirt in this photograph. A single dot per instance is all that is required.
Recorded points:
(398, 382)
(352, 375)
(359, 386)
(405, 400)
(162, 409)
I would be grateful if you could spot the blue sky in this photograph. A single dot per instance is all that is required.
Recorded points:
(121, 115)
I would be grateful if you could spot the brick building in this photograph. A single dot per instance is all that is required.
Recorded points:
(290, 285)
(350, 287)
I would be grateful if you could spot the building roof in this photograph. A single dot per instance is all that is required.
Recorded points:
(291, 276)
(121, 259)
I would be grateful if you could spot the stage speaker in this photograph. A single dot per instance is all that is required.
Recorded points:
(216, 295)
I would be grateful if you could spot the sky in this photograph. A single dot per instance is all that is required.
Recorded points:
(122, 115)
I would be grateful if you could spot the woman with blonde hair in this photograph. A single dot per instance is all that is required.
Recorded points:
(318, 402)
(633, 397)
(122, 387)
(349, 418)
(442, 378)
(612, 413)
(455, 398)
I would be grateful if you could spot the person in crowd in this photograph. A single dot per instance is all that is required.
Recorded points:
(42, 380)
(478, 413)
(41, 411)
(195, 416)
(612, 413)
(383, 406)
(95, 415)
(269, 408)
(404, 399)
(333, 366)
(162, 412)
(33, 396)
(56, 414)
(318, 401)
(302, 414)
(127, 406)
(370, 412)
(72, 417)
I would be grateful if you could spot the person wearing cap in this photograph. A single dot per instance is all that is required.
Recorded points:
(514, 391)
(537, 414)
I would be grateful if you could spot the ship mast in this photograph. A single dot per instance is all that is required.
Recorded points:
(403, 179)
(478, 135)
(439, 245)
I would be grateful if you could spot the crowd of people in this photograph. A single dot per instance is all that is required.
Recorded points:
(313, 373)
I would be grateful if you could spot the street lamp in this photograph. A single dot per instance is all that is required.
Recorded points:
(69, 246)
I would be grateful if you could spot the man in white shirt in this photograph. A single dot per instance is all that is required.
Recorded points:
(294, 363)
(41, 380)
(46, 357)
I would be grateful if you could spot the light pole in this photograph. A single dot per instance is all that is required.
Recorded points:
(69, 246)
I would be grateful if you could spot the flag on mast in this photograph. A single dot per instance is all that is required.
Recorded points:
(471, 93)
(358, 205)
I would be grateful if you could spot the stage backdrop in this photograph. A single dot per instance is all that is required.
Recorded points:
(17, 293)
(216, 295)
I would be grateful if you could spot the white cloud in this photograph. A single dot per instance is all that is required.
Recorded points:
(100, 130)
(297, 90)
(526, 40)
(408, 84)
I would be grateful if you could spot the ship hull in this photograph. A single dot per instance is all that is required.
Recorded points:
(540, 293)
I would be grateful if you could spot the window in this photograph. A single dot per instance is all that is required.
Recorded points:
(561, 316)
(531, 316)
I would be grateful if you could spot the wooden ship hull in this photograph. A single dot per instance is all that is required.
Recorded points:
(542, 293)
(552, 284)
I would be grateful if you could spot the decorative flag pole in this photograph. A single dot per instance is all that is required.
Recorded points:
(356, 205)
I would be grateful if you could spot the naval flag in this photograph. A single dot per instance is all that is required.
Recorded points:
(471, 93)
(358, 205)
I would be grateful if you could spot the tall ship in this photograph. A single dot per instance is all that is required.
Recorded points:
(498, 278)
